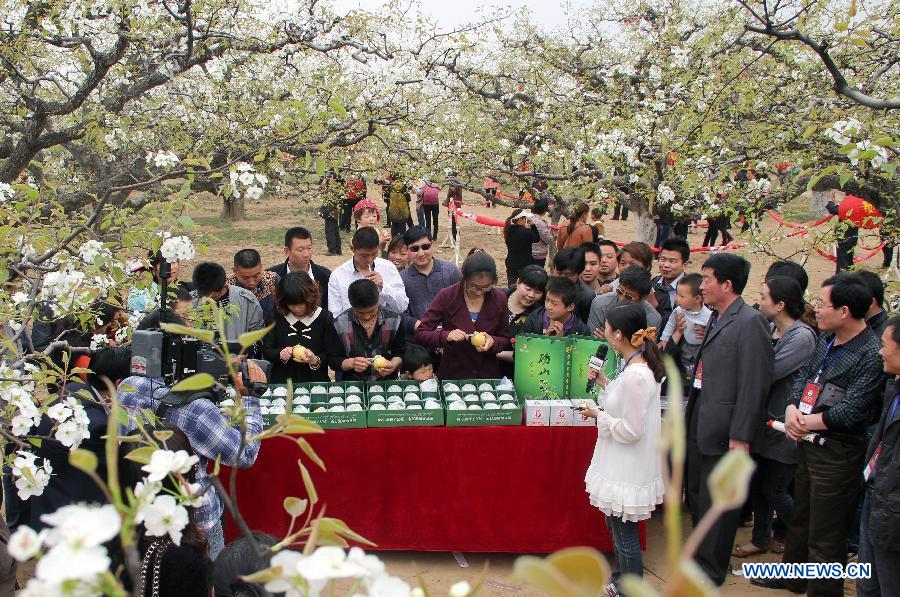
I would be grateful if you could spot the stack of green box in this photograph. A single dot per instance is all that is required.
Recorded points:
(332, 405)
(472, 402)
(549, 368)
(396, 403)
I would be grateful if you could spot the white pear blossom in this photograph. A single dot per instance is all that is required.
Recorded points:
(177, 248)
(166, 462)
(664, 194)
(389, 586)
(24, 544)
(31, 478)
(163, 159)
(6, 191)
(247, 178)
(91, 249)
(99, 341)
(254, 193)
(19, 298)
(165, 517)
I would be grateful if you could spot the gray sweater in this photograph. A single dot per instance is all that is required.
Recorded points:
(605, 302)
(243, 312)
(792, 351)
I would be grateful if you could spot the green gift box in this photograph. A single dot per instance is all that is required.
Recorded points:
(326, 420)
(432, 417)
(551, 368)
(474, 418)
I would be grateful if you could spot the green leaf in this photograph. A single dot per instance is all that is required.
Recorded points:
(730, 478)
(248, 339)
(297, 425)
(308, 483)
(843, 178)
(83, 460)
(141, 455)
(295, 506)
(310, 453)
(183, 330)
(35, 441)
(163, 435)
(337, 107)
(320, 166)
(809, 131)
(198, 381)
(186, 222)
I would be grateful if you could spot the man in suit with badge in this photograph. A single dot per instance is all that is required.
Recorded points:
(727, 397)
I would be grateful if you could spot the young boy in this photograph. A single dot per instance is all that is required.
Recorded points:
(557, 317)
(694, 313)
(417, 363)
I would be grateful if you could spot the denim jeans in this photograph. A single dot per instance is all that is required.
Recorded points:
(627, 547)
(770, 494)
(216, 539)
(885, 578)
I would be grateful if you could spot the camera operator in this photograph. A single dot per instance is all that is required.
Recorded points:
(243, 312)
(210, 432)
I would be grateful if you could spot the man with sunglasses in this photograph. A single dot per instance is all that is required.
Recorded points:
(426, 275)
(634, 286)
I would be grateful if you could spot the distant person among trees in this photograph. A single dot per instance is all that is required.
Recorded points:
(578, 231)
(519, 234)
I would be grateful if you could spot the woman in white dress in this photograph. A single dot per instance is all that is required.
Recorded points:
(624, 479)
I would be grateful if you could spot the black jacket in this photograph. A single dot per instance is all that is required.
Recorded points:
(518, 243)
(535, 325)
(320, 274)
(881, 488)
(663, 303)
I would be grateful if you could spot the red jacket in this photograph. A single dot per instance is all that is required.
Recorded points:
(460, 360)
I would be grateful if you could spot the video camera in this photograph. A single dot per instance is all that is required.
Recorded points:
(173, 357)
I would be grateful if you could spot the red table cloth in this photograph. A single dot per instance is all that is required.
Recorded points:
(478, 489)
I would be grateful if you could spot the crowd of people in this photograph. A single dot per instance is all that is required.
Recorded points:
(826, 369)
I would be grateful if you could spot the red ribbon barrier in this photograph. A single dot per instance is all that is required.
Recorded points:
(784, 222)
(855, 259)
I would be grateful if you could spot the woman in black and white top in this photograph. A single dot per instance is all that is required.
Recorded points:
(299, 321)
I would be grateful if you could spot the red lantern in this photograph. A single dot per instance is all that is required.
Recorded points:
(859, 212)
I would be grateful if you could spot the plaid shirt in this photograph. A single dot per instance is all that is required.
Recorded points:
(855, 367)
(388, 340)
(205, 427)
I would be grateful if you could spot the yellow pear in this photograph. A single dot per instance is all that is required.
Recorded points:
(299, 352)
(379, 362)
(478, 339)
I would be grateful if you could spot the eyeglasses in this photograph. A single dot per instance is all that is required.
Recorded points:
(422, 247)
(627, 295)
(821, 305)
(478, 289)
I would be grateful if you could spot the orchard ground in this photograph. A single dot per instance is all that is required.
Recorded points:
(264, 230)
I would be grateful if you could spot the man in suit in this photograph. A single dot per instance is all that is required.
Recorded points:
(727, 397)
(298, 251)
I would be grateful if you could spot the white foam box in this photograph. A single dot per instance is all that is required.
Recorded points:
(561, 413)
(537, 413)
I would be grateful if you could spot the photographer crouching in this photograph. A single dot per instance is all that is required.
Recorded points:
(209, 431)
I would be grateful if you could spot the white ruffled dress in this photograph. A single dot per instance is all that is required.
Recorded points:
(625, 477)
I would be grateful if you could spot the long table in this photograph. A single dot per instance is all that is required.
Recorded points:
(477, 489)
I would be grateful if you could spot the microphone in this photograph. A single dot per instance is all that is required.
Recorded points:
(596, 364)
(813, 438)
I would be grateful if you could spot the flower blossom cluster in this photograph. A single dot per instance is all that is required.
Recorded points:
(72, 422)
(75, 557)
(31, 478)
(841, 131)
(177, 248)
(163, 159)
(664, 194)
(246, 182)
(91, 250)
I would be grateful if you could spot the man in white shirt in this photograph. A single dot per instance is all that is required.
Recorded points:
(365, 263)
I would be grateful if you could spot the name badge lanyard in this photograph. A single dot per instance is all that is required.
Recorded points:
(622, 368)
(814, 387)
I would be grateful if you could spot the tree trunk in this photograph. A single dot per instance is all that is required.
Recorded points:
(645, 228)
(817, 202)
(233, 209)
